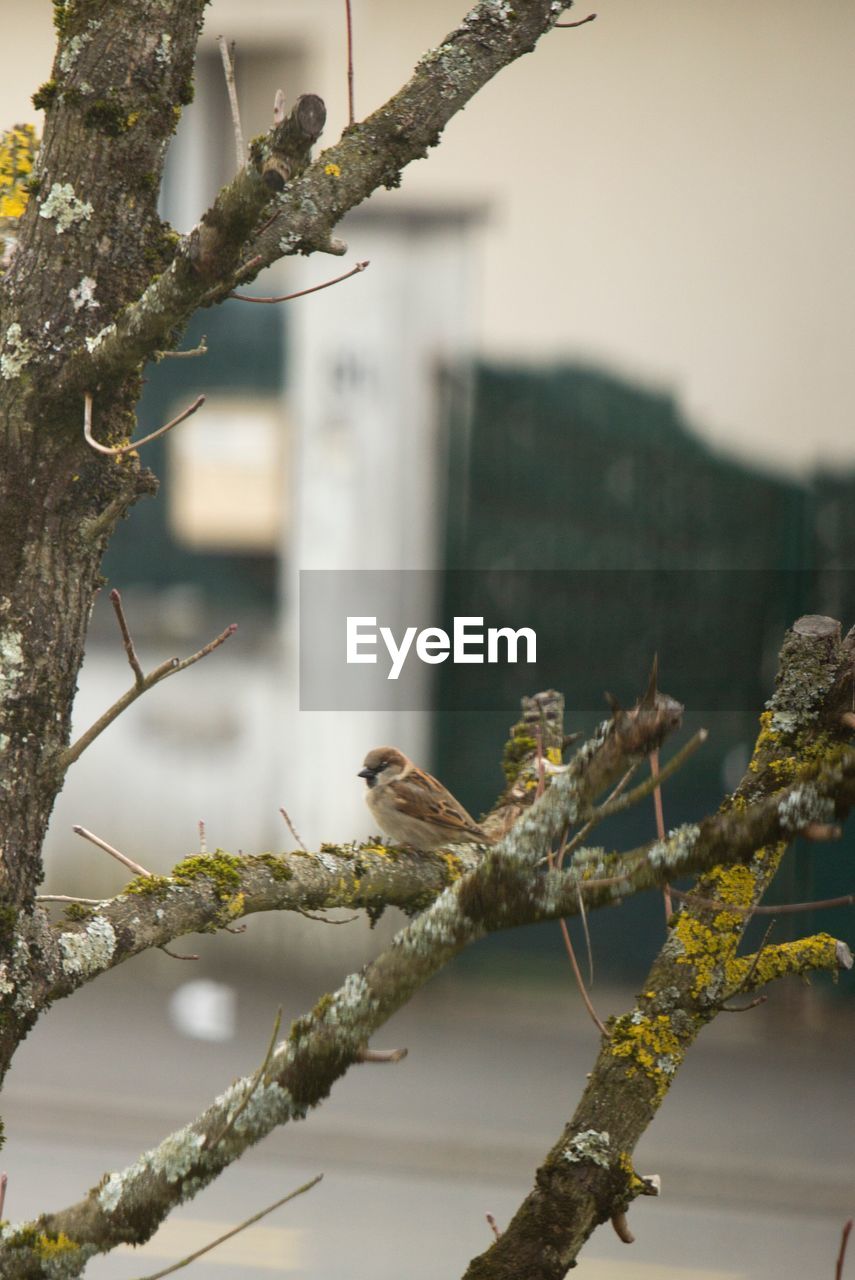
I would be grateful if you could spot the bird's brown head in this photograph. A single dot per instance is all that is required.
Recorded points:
(383, 763)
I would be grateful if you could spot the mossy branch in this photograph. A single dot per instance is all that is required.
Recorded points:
(306, 209)
(799, 771)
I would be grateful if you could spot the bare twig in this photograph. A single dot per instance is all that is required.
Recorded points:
(248, 267)
(279, 106)
(169, 668)
(301, 293)
(841, 1256)
(349, 20)
(381, 1055)
(785, 909)
(294, 832)
(176, 955)
(114, 853)
(64, 897)
(660, 826)
(309, 915)
(256, 1217)
(752, 969)
(227, 54)
(744, 1008)
(117, 451)
(203, 844)
(562, 924)
(253, 1084)
(493, 1225)
(580, 982)
(4, 1182)
(583, 832)
(581, 22)
(652, 784)
(583, 915)
(116, 602)
(201, 350)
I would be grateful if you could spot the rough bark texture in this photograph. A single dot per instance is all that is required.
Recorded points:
(588, 1177)
(99, 284)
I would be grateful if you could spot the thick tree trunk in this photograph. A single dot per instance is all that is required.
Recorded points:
(89, 241)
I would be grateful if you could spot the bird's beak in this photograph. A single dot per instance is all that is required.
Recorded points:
(366, 773)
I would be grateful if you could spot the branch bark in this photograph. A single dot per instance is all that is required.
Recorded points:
(797, 767)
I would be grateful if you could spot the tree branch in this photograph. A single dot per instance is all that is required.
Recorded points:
(370, 155)
(169, 668)
(797, 767)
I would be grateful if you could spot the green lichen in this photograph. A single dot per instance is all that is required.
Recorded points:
(78, 911)
(108, 116)
(45, 95)
(302, 1026)
(276, 865)
(149, 886)
(517, 750)
(222, 869)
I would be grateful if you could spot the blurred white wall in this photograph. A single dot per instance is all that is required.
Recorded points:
(671, 190)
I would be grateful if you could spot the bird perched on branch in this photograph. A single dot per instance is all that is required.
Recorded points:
(412, 807)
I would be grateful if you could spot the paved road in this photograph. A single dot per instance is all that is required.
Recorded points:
(754, 1144)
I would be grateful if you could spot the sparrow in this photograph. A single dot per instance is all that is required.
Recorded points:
(412, 807)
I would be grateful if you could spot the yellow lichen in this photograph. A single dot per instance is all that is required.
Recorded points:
(332, 170)
(48, 1247)
(635, 1185)
(649, 1044)
(17, 153)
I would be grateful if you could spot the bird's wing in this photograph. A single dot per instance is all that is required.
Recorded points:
(428, 800)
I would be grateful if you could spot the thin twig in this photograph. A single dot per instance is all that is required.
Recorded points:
(595, 817)
(743, 1008)
(580, 982)
(248, 267)
(64, 897)
(381, 1055)
(653, 783)
(176, 955)
(785, 909)
(118, 450)
(256, 1217)
(116, 602)
(493, 1225)
(4, 1182)
(841, 1256)
(301, 293)
(581, 22)
(203, 844)
(201, 350)
(583, 913)
(562, 924)
(253, 1084)
(349, 18)
(114, 853)
(294, 832)
(655, 777)
(227, 55)
(169, 668)
(752, 969)
(308, 915)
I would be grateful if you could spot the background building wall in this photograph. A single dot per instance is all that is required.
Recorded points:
(670, 191)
